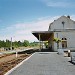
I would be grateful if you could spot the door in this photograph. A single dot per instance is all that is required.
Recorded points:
(64, 43)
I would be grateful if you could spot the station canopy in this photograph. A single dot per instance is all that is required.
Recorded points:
(44, 35)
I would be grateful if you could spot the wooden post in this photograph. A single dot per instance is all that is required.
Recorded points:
(57, 42)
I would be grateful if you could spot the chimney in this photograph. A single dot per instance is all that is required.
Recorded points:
(68, 16)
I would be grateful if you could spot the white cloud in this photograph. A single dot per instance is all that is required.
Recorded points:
(22, 31)
(59, 3)
(73, 17)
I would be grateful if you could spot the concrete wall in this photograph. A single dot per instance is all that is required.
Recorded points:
(70, 36)
(57, 24)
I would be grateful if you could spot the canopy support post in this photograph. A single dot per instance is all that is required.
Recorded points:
(39, 42)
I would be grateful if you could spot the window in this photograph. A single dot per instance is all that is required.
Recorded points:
(64, 39)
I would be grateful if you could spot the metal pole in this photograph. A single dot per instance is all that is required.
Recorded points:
(11, 43)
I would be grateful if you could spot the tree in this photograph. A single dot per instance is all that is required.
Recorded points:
(26, 43)
(8, 43)
(34, 44)
(46, 44)
(19, 44)
(15, 44)
(57, 40)
(2, 44)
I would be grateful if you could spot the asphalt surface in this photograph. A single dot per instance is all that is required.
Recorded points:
(46, 63)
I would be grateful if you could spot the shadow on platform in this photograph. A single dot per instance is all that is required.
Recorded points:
(47, 50)
(72, 62)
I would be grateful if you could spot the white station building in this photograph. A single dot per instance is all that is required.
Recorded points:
(64, 29)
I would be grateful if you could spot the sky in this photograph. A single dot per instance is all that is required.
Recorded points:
(18, 18)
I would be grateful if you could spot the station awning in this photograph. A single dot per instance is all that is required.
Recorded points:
(44, 35)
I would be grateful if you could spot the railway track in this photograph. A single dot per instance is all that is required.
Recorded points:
(6, 66)
(9, 64)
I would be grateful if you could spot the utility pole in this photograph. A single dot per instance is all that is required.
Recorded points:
(11, 43)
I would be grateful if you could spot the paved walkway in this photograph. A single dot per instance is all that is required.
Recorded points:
(46, 63)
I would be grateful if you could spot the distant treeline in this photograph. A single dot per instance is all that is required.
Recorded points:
(16, 44)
